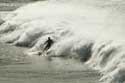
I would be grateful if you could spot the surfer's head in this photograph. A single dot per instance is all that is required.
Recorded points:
(49, 38)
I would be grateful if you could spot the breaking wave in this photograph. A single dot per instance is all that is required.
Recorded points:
(81, 29)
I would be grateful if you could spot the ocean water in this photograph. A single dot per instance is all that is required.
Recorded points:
(17, 67)
(83, 31)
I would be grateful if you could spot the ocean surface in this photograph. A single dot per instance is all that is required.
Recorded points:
(17, 67)
(88, 37)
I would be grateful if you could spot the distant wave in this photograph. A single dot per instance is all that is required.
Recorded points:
(86, 33)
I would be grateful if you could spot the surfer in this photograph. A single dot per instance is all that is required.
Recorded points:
(48, 44)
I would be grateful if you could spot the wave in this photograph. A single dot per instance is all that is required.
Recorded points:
(108, 58)
(79, 31)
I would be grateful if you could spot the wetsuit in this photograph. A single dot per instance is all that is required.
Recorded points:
(48, 43)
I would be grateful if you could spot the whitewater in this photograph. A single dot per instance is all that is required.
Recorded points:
(91, 32)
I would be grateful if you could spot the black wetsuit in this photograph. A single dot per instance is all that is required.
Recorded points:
(48, 43)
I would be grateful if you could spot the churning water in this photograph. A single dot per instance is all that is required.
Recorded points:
(88, 31)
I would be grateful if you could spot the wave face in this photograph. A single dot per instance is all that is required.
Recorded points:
(89, 31)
